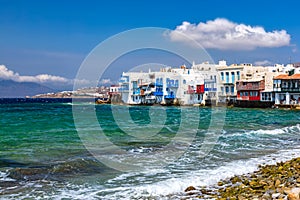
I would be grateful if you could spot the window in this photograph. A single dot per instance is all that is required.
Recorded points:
(238, 75)
(222, 76)
(184, 81)
(246, 93)
(253, 93)
(222, 90)
(232, 77)
(227, 77)
(227, 89)
(232, 89)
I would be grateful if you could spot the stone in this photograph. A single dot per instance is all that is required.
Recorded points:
(190, 188)
(220, 183)
(276, 195)
(277, 183)
(292, 196)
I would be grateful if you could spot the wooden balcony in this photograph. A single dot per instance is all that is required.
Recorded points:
(259, 85)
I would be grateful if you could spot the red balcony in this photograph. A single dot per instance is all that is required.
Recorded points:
(200, 89)
(257, 85)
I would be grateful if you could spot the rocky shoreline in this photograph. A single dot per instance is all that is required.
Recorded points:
(280, 181)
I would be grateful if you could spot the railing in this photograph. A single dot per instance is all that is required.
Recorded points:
(169, 97)
(290, 89)
(158, 93)
(172, 85)
(250, 86)
(210, 89)
(226, 94)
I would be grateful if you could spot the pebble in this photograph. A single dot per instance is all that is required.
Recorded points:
(280, 181)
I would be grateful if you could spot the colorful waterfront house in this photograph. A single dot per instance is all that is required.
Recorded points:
(114, 94)
(124, 87)
(207, 79)
(114, 89)
(249, 92)
(287, 89)
(172, 86)
(195, 93)
(228, 77)
(159, 93)
(146, 93)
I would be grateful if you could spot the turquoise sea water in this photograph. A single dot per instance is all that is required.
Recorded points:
(43, 156)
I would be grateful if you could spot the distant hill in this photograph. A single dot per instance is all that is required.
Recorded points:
(11, 89)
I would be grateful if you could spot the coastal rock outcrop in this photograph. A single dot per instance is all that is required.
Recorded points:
(280, 181)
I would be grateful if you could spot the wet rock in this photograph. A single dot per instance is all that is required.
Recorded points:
(280, 181)
(276, 195)
(220, 183)
(190, 188)
(6, 184)
(29, 173)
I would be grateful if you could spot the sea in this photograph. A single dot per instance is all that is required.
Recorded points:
(71, 149)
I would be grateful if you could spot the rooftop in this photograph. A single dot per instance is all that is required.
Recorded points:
(287, 77)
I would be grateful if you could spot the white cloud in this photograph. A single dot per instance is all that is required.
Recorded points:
(226, 35)
(105, 82)
(7, 74)
(263, 62)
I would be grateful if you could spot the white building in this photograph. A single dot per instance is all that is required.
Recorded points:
(170, 86)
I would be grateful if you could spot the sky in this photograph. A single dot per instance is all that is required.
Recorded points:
(47, 41)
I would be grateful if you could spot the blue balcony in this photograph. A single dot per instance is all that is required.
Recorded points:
(158, 93)
(210, 89)
(136, 91)
(124, 79)
(170, 96)
(158, 84)
(172, 83)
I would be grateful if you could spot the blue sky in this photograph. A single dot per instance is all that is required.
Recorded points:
(53, 37)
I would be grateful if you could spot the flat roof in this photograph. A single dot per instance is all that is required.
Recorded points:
(287, 77)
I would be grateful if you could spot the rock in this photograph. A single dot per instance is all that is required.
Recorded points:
(190, 188)
(235, 179)
(7, 184)
(292, 196)
(29, 173)
(255, 185)
(220, 183)
(276, 195)
(277, 183)
(293, 193)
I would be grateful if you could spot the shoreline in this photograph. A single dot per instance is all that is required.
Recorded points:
(278, 181)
